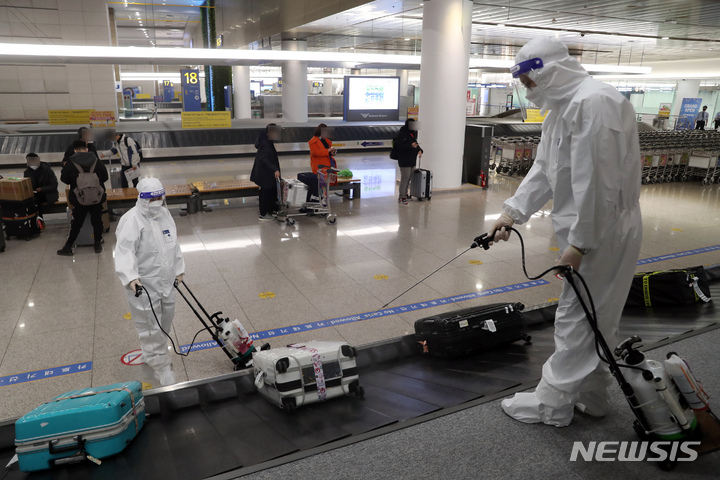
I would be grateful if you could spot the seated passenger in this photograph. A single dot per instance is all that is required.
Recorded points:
(44, 181)
(321, 153)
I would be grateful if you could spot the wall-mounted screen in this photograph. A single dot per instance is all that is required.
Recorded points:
(372, 98)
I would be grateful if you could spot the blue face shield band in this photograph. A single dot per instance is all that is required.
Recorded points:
(525, 67)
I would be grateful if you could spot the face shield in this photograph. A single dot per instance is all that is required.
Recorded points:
(151, 198)
(528, 94)
(274, 133)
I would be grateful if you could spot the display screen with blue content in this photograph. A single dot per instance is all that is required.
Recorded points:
(90, 423)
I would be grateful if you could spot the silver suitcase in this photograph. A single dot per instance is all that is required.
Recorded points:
(421, 185)
(305, 373)
(115, 178)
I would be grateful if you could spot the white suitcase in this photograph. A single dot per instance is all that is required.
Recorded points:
(307, 373)
(296, 192)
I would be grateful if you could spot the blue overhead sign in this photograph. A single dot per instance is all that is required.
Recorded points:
(689, 109)
(190, 90)
(168, 90)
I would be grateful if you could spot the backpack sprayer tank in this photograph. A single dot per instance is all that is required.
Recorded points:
(666, 410)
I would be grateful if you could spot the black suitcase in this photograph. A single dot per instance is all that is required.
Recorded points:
(20, 218)
(669, 288)
(471, 330)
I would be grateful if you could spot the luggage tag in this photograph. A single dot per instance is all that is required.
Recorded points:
(490, 325)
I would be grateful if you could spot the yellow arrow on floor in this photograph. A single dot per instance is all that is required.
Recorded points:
(554, 249)
(266, 294)
(128, 316)
(553, 300)
(381, 277)
(474, 262)
(676, 229)
(146, 386)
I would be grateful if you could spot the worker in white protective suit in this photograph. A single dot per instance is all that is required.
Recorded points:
(147, 254)
(588, 163)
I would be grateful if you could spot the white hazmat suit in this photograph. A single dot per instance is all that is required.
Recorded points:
(588, 163)
(147, 251)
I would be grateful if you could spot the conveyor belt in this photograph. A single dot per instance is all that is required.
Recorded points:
(208, 427)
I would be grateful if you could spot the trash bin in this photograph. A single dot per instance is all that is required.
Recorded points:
(476, 158)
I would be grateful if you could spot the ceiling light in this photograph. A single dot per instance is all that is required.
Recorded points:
(501, 25)
(407, 39)
(666, 38)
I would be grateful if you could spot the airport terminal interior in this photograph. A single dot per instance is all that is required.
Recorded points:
(206, 95)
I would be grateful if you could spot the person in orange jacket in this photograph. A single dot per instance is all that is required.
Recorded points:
(321, 153)
(321, 149)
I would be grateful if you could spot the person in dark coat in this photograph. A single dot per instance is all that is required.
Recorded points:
(266, 170)
(84, 134)
(408, 151)
(44, 181)
(88, 162)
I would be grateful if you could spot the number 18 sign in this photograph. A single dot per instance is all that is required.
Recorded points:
(190, 90)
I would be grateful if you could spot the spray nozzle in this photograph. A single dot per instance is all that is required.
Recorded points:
(483, 241)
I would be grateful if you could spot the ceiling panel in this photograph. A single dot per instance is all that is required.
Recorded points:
(608, 31)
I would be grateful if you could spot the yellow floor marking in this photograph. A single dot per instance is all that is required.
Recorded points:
(381, 277)
(266, 294)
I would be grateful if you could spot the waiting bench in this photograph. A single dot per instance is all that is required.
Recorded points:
(118, 198)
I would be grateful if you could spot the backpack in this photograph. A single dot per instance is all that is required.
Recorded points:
(137, 147)
(88, 190)
(393, 152)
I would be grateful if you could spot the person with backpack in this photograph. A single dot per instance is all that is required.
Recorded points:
(130, 153)
(86, 177)
(406, 151)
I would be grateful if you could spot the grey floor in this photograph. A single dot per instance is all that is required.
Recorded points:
(482, 442)
(58, 311)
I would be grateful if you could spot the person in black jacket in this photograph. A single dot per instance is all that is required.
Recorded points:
(44, 181)
(407, 150)
(88, 162)
(266, 171)
(84, 134)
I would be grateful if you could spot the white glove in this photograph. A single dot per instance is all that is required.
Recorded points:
(135, 284)
(571, 256)
(502, 227)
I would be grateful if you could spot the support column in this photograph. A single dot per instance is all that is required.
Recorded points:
(241, 91)
(685, 89)
(443, 87)
(403, 74)
(295, 85)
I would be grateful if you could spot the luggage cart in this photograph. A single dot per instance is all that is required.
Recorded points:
(647, 159)
(327, 176)
(699, 165)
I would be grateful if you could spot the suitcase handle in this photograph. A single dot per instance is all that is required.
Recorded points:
(78, 445)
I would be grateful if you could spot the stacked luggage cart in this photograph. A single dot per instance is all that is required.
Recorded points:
(680, 156)
(666, 156)
(513, 155)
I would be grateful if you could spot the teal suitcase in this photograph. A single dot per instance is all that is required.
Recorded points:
(92, 423)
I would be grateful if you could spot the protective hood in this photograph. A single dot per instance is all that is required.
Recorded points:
(559, 77)
(149, 188)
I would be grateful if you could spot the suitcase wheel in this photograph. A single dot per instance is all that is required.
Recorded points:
(360, 392)
(282, 365)
(289, 405)
(266, 346)
(527, 339)
(348, 351)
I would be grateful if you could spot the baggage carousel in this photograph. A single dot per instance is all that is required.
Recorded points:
(167, 141)
(221, 428)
